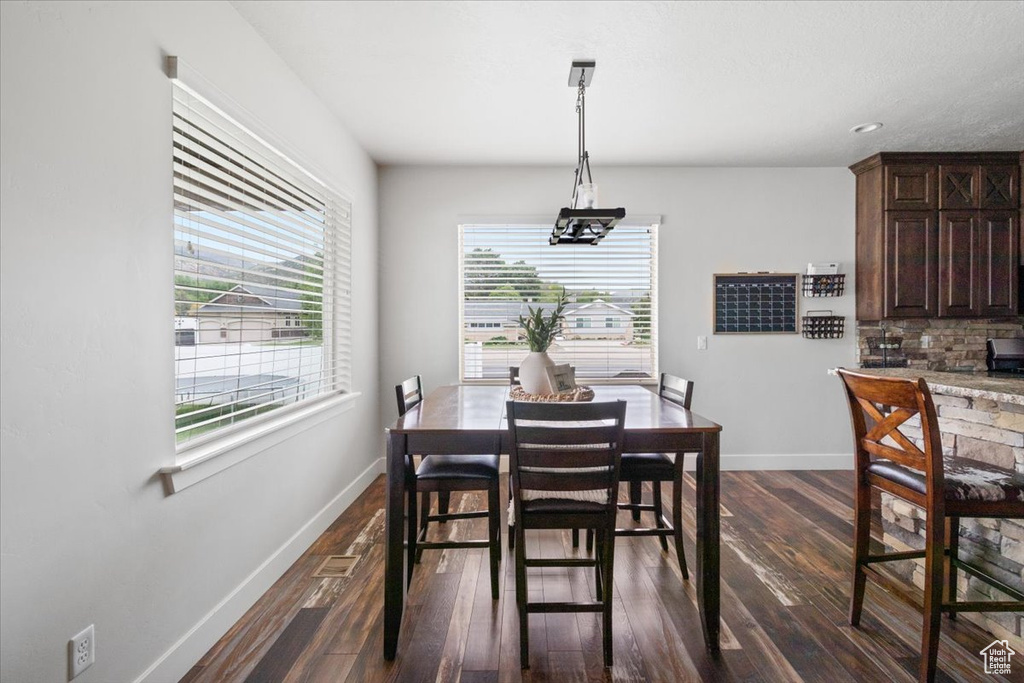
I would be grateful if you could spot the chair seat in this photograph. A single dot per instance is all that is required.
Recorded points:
(966, 480)
(458, 467)
(562, 506)
(647, 467)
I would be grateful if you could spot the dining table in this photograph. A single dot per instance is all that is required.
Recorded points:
(468, 419)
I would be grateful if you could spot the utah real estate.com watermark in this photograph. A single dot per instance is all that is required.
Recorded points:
(997, 657)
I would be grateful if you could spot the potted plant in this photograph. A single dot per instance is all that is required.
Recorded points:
(540, 332)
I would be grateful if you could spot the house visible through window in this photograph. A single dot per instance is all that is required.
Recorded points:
(261, 276)
(506, 269)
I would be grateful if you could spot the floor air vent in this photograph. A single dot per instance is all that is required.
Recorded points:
(336, 567)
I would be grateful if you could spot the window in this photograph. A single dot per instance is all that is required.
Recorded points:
(506, 268)
(256, 239)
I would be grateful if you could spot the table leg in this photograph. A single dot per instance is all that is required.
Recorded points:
(394, 551)
(708, 587)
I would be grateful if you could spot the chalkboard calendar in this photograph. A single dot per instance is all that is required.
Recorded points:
(756, 303)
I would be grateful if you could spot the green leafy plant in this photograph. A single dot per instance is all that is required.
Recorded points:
(540, 329)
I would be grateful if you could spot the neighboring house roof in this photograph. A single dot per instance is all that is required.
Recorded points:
(1003, 646)
(509, 311)
(599, 303)
(250, 298)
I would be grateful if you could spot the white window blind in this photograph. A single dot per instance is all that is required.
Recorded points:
(262, 253)
(611, 324)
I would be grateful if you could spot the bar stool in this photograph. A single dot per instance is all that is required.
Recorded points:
(947, 489)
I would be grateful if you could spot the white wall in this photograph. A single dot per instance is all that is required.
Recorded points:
(770, 392)
(88, 535)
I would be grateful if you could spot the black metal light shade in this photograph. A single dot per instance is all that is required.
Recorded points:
(584, 226)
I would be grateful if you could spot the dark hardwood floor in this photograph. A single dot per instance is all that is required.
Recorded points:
(785, 574)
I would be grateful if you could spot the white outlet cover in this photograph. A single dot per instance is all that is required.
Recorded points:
(702, 343)
(81, 651)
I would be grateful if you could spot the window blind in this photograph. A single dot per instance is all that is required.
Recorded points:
(611, 322)
(262, 253)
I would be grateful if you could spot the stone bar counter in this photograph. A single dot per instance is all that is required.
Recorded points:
(981, 418)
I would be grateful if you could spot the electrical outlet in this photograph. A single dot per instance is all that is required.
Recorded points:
(702, 343)
(81, 651)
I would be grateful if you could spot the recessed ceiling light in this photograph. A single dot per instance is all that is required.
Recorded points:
(866, 127)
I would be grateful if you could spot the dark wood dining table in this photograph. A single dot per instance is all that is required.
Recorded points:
(466, 419)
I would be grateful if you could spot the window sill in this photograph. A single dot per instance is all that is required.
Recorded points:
(206, 460)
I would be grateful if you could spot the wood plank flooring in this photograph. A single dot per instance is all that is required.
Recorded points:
(785, 574)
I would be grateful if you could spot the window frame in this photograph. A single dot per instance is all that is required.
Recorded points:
(653, 221)
(196, 459)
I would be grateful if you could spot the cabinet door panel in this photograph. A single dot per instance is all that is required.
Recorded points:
(958, 187)
(999, 187)
(997, 263)
(909, 186)
(910, 264)
(958, 263)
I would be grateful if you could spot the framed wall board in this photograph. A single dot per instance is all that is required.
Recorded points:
(756, 303)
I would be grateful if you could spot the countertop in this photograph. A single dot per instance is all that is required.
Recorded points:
(964, 384)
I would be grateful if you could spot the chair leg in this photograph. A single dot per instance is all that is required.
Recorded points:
(575, 538)
(659, 514)
(598, 575)
(412, 531)
(590, 540)
(677, 518)
(443, 498)
(861, 545)
(607, 559)
(953, 546)
(933, 586)
(635, 497)
(424, 513)
(521, 597)
(494, 534)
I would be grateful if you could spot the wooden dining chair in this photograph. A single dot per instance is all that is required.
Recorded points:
(564, 464)
(656, 468)
(947, 489)
(443, 474)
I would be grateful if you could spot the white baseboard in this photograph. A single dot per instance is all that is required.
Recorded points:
(181, 656)
(790, 461)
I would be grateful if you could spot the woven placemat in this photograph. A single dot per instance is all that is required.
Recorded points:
(580, 394)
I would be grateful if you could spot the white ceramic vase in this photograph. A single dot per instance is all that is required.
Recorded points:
(533, 373)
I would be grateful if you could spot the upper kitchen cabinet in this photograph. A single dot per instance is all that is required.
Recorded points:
(938, 235)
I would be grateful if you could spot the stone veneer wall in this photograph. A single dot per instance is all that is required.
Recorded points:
(933, 344)
(993, 432)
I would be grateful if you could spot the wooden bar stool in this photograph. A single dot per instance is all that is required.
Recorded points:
(564, 464)
(443, 474)
(947, 489)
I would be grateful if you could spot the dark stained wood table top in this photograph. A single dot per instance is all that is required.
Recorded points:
(481, 408)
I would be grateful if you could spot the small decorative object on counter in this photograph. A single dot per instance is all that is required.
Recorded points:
(824, 285)
(823, 325)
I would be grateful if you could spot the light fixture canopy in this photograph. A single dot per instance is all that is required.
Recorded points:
(582, 222)
(867, 127)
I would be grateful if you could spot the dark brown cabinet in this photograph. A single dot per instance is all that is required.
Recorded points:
(958, 263)
(938, 235)
(997, 261)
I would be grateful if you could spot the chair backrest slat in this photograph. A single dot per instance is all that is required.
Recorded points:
(409, 394)
(676, 389)
(879, 406)
(565, 447)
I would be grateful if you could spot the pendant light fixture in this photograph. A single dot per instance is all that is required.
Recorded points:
(582, 222)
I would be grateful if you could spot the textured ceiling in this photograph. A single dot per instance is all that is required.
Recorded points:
(737, 84)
